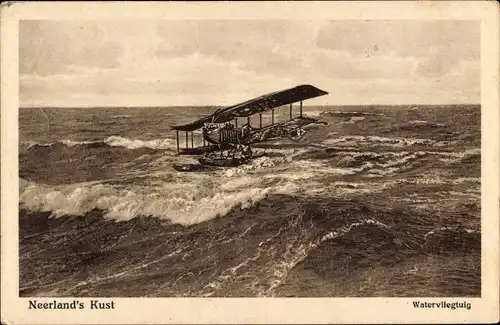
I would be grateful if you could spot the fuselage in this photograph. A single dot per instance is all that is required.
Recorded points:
(226, 134)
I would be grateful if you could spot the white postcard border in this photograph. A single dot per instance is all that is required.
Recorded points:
(14, 310)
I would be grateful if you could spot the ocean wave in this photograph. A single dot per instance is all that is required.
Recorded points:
(377, 140)
(370, 164)
(295, 254)
(315, 113)
(255, 164)
(390, 163)
(452, 239)
(452, 230)
(113, 141)
(435, 180)
(353, 120)
(350, 113)
(454, 157)
(117, 141)
(277, 258)
(121, 116)
(443, 156)
(426, 123)
(68, 143)
(184, 204)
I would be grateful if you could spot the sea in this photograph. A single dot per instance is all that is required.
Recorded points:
(384, 201)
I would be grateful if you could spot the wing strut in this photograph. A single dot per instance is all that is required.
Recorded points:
(177, 138)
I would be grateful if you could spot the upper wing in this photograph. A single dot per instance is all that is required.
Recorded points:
(269, 101)
(256, 105)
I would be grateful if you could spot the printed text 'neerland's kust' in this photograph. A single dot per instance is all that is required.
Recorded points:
(75, 304)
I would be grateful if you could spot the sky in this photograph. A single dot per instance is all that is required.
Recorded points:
(223, 62)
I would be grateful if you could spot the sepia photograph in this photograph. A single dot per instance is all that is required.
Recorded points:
(249, 158)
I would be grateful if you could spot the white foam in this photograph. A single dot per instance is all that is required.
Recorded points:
(184, 203)
(461, 180)
(392, 166)
(433, 124)
(435, 180)
(444, 156)
(69, 143)
(314, 113)
(393, 142)
(118, 141)
(114, 141)
(454, 229)
(239, 183)
(352, 113)
(353, 120)
(346, 229)
(452, 157)
(255, 164)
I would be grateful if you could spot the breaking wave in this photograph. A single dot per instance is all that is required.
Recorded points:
(117, 141)
(184, 205)
(113, 141)
(195, 199)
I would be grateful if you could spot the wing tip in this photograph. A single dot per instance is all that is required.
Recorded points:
(311, 87)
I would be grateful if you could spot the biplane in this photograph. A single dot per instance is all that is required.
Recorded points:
(225, 144)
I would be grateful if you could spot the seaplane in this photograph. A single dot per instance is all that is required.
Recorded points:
(225, 144)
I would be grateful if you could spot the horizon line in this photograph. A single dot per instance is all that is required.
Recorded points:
(214, 106)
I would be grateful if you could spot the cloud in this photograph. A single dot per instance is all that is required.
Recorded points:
(49, 47)
(222, 62)
(404, 38)
(276, 47)
(191, 80)
(343, 65)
